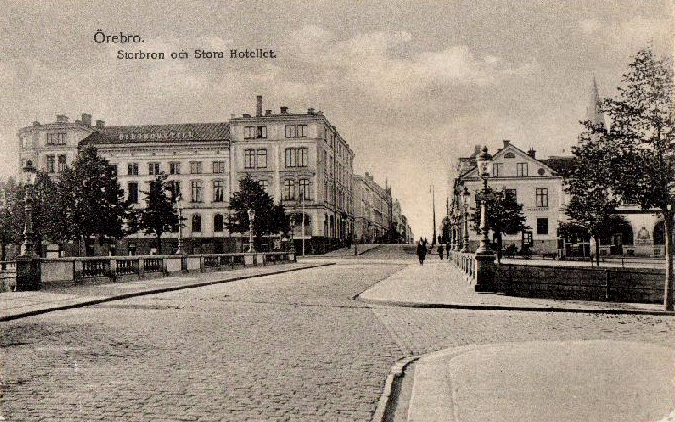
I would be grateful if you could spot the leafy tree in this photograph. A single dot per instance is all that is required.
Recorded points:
(159, 215)
(269, 218)
(11, 216)
(505, 216)
(641, 167)
(92, 200)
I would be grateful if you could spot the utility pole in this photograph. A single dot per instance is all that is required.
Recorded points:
(433, 211)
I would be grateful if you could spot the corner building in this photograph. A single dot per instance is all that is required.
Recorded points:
(303, 162)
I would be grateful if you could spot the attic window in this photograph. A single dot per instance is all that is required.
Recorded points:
(509, 155)
(541, 172)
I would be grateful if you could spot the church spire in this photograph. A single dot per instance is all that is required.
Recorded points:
(593, 112)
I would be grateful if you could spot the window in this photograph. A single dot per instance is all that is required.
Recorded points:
(497, 169)
(174, 167)
(304, 189)
(218, 191)
(219, 167)
(249, 159)
(218, 223)
(291, 158)
(197, 191)
(296, 131)
(541, 197)
(58, 138)
(153, 169)
(521, 169)
(113, 169)
(511, 194)
(132, 192)
(132, 169)
(51, 164)
(289, 189)
(261, 159)
(195, 167)
(196, 223)
(252, 132)
(296, 157)
(542, 225)
(174, 188)
(62, 163)
(265, 185)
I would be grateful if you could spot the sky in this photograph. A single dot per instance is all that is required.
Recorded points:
(411, 85)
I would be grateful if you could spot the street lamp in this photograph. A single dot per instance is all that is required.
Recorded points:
(483, 162)
(179, 205)
(251, 217)
(465, 232)
(29, 175)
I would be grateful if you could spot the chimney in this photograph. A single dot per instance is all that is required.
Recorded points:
(36, 123)
(310, 111)
(532, 153)
(100, 124)
(232, 116)
(258, 106)
(268, 112)
(284, 110)
(246, 115)
(86, 119)
(506, 143)
(61, 118)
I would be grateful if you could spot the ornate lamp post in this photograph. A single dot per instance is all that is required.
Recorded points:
(29, 175)
(179, 206)
(485, 270)
(251, 217)
(483, 161)
(465, 231)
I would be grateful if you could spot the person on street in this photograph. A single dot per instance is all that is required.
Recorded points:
(440, 250)
(421, 251)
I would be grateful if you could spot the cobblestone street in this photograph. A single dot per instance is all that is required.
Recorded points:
(291, 346)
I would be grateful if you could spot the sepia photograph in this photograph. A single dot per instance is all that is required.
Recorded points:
(337, 211)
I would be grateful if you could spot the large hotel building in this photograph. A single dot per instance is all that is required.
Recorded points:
(300, 159)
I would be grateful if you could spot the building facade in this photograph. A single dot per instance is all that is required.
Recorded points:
(373, 208)
(302, 161)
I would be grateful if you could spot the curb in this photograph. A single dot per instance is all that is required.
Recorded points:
(123, 296)
(384, 404)
(479, 307)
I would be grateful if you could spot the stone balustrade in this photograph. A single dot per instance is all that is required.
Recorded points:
(103, 269)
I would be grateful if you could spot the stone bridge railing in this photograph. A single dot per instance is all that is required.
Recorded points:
(465, 261)
(101, 269)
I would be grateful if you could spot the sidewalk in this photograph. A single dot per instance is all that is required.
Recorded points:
(441, 284)
(15, 305)
(596, 380)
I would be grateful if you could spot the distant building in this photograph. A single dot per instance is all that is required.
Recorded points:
(373, 209)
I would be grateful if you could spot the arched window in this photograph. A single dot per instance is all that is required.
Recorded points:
(289, 189)
(218, 223)
(196, 223)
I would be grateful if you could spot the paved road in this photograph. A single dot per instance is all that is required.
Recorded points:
(285, 347)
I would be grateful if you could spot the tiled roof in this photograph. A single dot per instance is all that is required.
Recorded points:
(160, 133)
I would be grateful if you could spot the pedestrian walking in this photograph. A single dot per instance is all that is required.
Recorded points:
(421, 251)
(440, 250)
